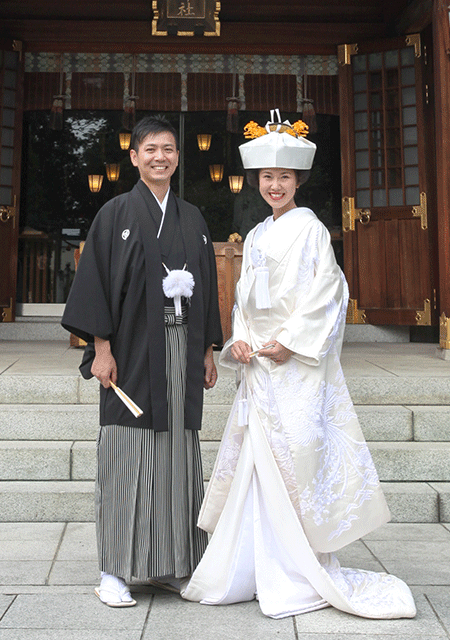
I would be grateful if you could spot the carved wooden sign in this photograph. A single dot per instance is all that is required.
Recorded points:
(185, 18)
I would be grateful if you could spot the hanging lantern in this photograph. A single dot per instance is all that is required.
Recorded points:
(56, 113)
(204, 141)
(125, 139)
(112, 172)
(233, 114)
(216, 172)
(129, 113)
(236, 183)
(95, 182)
(59, 101)
(129, 107)
(309, 114)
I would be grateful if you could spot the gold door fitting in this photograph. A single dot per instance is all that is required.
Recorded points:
(8, 212)
(345, 53)
(444, 332)
(350, 214)
(423, 318)
(421, 211)
(413, 40)
(355, 315)
(7, 312)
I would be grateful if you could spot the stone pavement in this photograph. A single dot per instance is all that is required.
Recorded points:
(48, 572)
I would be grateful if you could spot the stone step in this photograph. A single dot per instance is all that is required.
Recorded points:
(36, 326)
(80, 422)
(76, 460)
(65, 501)
(69, 501)
(42, 388)
(33, 328)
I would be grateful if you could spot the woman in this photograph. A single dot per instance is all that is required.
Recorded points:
(293, 480)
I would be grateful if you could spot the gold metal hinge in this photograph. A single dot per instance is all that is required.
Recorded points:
(7, 312)
(421, 211)
(355, 315)
(8, 212)
(423, 318)
(350, 214)
(413, 40)
(444, 332)
(345, 53)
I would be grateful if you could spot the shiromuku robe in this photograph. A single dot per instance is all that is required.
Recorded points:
(117, 295)
(294, 479)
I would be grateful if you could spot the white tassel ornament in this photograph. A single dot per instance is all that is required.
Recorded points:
(176, 284)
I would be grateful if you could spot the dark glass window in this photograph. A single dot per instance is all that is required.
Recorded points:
(57, 206)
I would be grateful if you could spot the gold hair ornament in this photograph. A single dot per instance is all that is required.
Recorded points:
(253, 130)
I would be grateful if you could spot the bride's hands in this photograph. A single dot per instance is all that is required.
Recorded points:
(277, 353)
(240, 351)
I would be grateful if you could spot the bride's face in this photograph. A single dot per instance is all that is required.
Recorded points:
(278, 187)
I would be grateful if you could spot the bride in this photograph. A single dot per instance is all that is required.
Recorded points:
(294, 480)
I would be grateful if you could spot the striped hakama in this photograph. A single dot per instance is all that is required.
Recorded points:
(149, 485)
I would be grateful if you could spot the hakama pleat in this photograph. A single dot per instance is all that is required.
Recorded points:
(149, 486)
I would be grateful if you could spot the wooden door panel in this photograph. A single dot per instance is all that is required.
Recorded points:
(414, 264)
(371, 265)
(11, 100)
(386, 213)
(393, 268)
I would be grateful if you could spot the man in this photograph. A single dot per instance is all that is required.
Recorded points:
(157, 346)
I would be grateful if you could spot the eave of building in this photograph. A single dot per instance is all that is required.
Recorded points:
(254, 26)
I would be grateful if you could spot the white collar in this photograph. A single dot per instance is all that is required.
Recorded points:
(163, 206)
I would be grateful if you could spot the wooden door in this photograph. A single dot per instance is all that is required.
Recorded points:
(388, 206)
(11, 101)
(228, 261)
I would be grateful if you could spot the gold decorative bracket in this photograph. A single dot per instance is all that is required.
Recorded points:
(350, 214)
(8, 212)
(355, 315)
(7, 312)
(423, 318)
(18, 46)
(413, 40)
(345, 53)
(444, 332)
(421, 211)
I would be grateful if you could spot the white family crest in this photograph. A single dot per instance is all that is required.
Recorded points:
(125, 234)
(205, 240)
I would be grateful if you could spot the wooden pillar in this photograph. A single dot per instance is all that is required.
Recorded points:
(441, 55)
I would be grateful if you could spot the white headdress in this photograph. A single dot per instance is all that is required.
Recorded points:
(278, 144)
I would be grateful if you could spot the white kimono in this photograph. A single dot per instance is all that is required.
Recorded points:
(294, 479)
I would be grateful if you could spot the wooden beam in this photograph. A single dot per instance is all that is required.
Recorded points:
(441, 51)
(415, 18)
(117, 36)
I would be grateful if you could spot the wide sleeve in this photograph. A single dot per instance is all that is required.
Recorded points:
(213, 327)
(88, 308)
(317, 320)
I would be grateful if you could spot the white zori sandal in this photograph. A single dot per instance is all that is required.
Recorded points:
(114, 592)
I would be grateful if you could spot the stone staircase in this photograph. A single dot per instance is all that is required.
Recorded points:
(48, 426)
